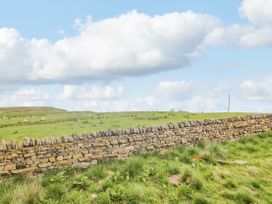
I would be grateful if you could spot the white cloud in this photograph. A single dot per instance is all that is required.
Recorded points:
(25, 96)
(258, 12)
(77, 92)
(257, 33)
(30, 94)
(202, 104)
(237, 35)
(261, 37)
(176, 90)
(226, 35)
(222, 88)
(128, 45)
(257, 90)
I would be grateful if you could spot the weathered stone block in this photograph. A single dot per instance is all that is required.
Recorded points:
(9, 167)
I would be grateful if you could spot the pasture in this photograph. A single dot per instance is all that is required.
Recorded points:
(39, 122)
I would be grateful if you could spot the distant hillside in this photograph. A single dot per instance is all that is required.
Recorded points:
(19, 122)
(33, 111)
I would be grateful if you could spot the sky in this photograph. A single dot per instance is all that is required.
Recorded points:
(137, 55)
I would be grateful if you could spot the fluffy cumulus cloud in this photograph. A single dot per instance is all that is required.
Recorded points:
(30, 94)
(78, 92)
(26, 96)
(176, 90)
(257, 33)
(192, 96)
(128, 45)
(258, 90)
(257, 12)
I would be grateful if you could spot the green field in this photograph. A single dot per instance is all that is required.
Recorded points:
(227, 172)
(39, 122)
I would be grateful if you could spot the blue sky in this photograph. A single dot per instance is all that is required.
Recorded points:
(137, 55)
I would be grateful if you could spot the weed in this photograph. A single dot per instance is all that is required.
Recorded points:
(172, 168)
(97, 172)
(104, 198)
(81, 183)
(217, 152)
(132, 167)
(196, 184)
(200, 200)
(187, 176)
(56, 192)
(201, 145)
(254, 184)
(230, 184)
(185, 192)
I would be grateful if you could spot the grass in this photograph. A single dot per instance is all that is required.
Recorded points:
(204, 178)
(39, 122)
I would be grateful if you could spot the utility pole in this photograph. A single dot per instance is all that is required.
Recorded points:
(228, 103)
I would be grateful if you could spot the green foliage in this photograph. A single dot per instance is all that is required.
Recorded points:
(241, 197)
(56, 191)
(97, 172)
(216, 151)
(201, 144)
(81, 183)
(230, 184)
(187, 176)
(104, 198)
(200, 200)
(146, 179)
(132, 168)
(172, 168)
(255, 184)
(196, 184)
(207, 157)
(185, 192)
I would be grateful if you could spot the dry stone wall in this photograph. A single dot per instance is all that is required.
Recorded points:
(34, 156)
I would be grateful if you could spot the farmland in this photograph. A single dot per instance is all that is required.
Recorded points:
(39, 122)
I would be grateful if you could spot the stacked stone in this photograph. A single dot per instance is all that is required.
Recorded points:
(34, 156)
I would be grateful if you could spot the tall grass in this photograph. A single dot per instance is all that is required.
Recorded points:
(202, 177)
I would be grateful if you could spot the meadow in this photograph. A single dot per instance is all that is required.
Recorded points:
(39, 122)
(227, 172)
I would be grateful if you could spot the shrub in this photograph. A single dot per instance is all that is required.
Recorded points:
(106, 184)
(200, 200)
(216, 151)
(201, 144)
(207, 158)
(187, 176)
(185, 192)
(53, 177)
(132, 168)
(97, 172)
(81, 183)
(196, 184)
(76, 197)
(230, 184)
(56, 191)
(117, 193)
(191, 151)
(255, 184)
(241, 197)
(104, 198)
(172, 168)
(250, 148)
(185, 159)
